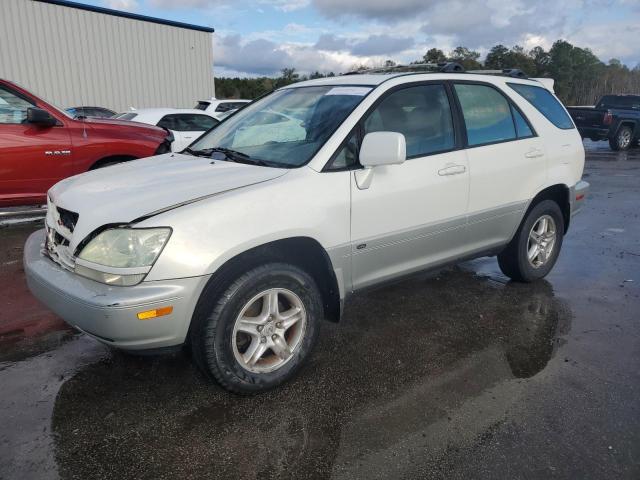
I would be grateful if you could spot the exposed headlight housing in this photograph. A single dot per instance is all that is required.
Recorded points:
(121, 256)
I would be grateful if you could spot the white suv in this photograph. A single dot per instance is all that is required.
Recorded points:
(241, 245)
(221, 109)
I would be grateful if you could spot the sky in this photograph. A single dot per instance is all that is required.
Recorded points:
(260, 37)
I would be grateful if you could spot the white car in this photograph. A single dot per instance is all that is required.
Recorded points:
(221, 109)
(185, 124)
(240, 247)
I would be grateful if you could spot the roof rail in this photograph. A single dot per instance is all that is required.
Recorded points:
(507, 72)
(445, 67)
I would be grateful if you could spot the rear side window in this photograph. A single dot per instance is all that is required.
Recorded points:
(202, 105)
(619, 101)
(487, 114)
(187, 122)
(225, 107)
(422, 114)
(545, 103)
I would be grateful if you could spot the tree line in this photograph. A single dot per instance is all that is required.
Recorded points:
(581, 78)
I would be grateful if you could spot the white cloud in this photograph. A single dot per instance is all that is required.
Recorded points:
(126, 5)
(286, 5)
(264, 57)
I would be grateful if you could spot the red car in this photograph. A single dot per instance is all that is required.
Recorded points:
(41, 144)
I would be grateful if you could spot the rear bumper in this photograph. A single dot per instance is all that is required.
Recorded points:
(579, 194)
(109, 313)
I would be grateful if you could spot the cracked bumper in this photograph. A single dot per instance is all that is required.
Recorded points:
(109, 313)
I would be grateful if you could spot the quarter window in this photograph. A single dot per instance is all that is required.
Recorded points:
(13, 109)
(487, 114)
(545, 103)
(422, 114)
(522, 126)
(347, 156)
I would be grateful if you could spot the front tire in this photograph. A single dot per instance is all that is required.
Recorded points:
(533, 251)
(622, 140)
(260, 330)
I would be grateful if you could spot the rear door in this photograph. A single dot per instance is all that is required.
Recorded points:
(412, 215)
(506, 163)
(32, 158)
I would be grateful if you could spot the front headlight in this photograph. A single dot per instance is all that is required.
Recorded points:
(121, 256)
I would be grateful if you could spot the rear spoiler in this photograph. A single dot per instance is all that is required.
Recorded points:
(546, 83)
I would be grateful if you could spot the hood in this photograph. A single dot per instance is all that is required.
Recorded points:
(121, 123)
(123, 193)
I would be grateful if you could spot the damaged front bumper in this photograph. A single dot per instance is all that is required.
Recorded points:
(110, 313)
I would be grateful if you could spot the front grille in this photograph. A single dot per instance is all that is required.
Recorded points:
(59, 226)
(68, 218)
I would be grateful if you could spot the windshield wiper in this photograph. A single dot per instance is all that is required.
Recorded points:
(198, 153)
(231, 155)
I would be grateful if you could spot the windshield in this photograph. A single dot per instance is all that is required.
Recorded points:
(287, 127)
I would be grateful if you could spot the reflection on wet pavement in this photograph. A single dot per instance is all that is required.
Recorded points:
(407, 370)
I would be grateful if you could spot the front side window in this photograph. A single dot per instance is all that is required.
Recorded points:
(545, 103)
(487, 114)
(422, 114)
(285, 128)
(13, 109)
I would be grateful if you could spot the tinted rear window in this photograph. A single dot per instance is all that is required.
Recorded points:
(545, 103)
(620, 101)
(202, 105)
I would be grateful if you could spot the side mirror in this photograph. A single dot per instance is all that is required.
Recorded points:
(379, 148)
(40, 117)
(383, 148)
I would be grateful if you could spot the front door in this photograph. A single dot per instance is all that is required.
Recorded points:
(32, 158)
(412, 215)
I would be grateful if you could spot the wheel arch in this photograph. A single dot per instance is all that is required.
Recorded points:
(110, 159)
(559, 193)
(303, 252)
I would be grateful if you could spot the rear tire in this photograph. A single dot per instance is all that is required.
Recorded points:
(259, 332)
(534, 249)
(622, 139)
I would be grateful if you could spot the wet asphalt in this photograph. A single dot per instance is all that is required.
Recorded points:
(459, 374)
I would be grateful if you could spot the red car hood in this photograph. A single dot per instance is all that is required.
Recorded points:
(123, 123)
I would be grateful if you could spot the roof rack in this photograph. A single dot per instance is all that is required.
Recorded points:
(445, 67)
(507, 72)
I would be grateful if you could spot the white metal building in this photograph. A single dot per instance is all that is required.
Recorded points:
(78, 55)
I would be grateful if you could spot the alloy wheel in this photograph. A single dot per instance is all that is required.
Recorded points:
(542, 240)
(269, 330)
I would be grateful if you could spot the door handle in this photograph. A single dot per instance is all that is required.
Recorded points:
(452, 170)
(534, 153)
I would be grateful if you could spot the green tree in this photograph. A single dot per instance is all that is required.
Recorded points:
(434, 55)
(467, 58)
